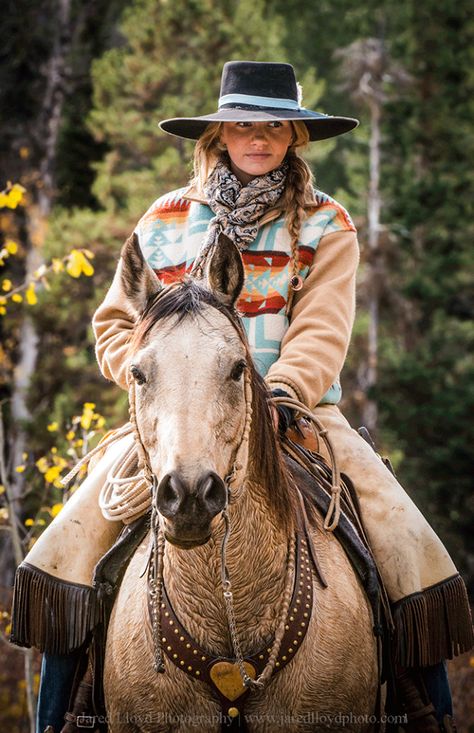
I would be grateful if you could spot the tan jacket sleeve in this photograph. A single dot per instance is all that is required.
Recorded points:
(314, 348)
(112, 323)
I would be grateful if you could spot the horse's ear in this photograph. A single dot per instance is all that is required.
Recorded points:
(139, 282)
(225, 271)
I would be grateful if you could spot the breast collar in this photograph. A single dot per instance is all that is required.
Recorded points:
(222, 674)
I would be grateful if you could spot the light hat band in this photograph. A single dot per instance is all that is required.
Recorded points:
(271, 102)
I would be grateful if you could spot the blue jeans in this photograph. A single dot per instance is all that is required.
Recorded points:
(57, 677)
(437, 687)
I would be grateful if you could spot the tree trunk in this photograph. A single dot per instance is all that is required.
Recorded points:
(370, 411)
(48, 129)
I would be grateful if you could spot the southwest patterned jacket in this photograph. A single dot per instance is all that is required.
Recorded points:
(304, 356)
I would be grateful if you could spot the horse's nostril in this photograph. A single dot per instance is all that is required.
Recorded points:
(212, 492)
(171, 494)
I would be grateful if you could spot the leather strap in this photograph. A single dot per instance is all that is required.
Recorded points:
(222, 674)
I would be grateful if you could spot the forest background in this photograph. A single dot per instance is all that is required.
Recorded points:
(82, 87)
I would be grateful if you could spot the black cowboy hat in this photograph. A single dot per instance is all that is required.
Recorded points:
(253, 91)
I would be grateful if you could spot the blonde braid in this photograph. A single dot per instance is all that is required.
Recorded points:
(298, 191)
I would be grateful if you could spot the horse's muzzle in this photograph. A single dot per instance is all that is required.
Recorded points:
(188, 511)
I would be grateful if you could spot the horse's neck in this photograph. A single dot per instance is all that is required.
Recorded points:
(256, 561)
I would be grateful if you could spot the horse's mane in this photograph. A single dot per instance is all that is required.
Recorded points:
(267, 468)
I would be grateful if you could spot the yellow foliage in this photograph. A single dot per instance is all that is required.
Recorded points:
(11, 247)
(29, 522)
(42, 464)
(53, 427)
(78, 264)
(2, 489)
(6, 285)
(30, 295)
(12, 196)
(87, 415)
(20, 469)
(55, 509)
(17, 298)
(3, 310)
(70, 435)
(57, 265)
(3, 514)
(52, 474)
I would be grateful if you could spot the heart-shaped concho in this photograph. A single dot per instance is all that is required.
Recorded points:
(228, 680)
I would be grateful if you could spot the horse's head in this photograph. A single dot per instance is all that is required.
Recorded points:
(188, 371)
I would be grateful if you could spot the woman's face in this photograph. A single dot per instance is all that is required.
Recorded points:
(256, 148)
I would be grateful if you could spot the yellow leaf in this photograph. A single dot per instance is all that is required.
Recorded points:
(24, 152)
(30, 295)
(87, 268)
(70, 435)
(55, 509)
(11, 247)
(100, 422)
(3, 199)
(89, 405)
(57, 265)
(74, 264)
(15, 196)
(3, 513)
(78, 264)
(52, 427)
(41, 521)
(8, 629)
(6, 285)
(52, 474)
(20, 469)
(17, 298)
(2, 489)
(42, 464)
(89, 254)
(3, 310)
(29, 522)
(3, 300)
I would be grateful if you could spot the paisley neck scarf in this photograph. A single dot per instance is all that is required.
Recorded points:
(238, 208)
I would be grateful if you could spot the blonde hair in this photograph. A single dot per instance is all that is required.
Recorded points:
(299, 182)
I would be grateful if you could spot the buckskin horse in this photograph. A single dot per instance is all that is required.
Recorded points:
(221, 619)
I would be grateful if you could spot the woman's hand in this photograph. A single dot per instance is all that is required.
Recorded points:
(282, 416)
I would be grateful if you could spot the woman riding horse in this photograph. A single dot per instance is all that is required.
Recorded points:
(300, 252)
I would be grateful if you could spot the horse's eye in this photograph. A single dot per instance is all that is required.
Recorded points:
(137, 374)
(238, 369)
